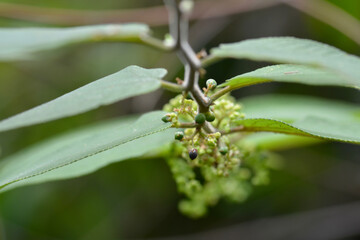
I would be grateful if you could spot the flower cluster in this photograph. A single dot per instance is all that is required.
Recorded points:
(211, 166)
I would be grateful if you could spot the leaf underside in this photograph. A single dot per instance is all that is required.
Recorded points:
(129, 82)
(82, 152)
(23, 43)
(303, 116)
(277, 141)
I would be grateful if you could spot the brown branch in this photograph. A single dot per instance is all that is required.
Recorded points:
(154, 16)
(331, 15)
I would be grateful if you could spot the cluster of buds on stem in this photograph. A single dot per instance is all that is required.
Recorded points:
(202, 143)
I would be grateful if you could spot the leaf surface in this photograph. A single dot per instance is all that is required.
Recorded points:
(295, 51)
(86, 150)
(129, 82)
(287, 73)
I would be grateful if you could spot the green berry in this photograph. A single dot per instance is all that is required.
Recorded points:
(211, 84)
(224, 150)
(165, 119)
(179, 135)
(200, 118)
(210, 116)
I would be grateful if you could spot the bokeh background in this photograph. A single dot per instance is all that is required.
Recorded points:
(316, 195)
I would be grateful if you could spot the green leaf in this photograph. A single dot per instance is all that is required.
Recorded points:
(287, 73)
(22, 43)
(277, 141)
(303, 116)
(290, 108)
(84, 151)
(293, 50)
(309, 127)
(129, 82)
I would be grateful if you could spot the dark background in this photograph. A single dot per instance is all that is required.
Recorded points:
(316, 195)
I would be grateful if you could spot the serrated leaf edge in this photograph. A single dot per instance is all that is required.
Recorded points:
(79, 159)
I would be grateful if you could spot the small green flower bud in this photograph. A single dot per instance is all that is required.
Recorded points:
(224, 150)
(186, 6)
(211, 84)
(235, 161)
(193, 153)
(209, 150)
(169, 40)
(217, 134)
(165, 119)
(210, 116)
(189, 131)
(221, 166)
(179, 135)
(202, 151)
(196, 140)
(188, 102)
(211, 142)
(200, 118)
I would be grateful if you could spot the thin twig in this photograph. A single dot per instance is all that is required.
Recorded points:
(171, 86)
(220, 93)
(154, 42)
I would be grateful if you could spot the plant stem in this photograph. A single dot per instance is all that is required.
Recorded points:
(187, 125)
(220, 93)
(155, 43)
(171, 86)
(233, 130)
(179, 23)
(209, 60)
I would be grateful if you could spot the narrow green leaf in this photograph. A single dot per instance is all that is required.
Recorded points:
(22, 43)
(293, 50)
(84, 151)
(308, 127)
(287, 73)
(277, 141)
(129, 82)
(303, 116)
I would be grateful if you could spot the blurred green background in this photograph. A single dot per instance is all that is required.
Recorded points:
(315, 196)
